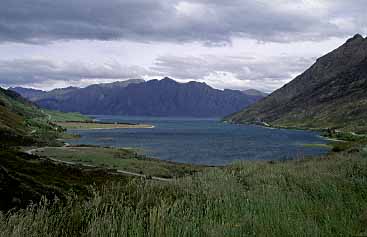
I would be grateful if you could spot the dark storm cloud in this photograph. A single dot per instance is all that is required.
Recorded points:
(39, 21)
(21, 72)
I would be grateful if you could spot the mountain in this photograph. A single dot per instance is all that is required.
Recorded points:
(118, 84)
(35, 95)
(330, 94)
(164, 97)
(31, 94)
(253, 92)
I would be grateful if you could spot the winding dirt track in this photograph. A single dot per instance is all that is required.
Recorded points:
(32, 151)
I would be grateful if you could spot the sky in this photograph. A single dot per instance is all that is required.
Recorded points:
(232, 44)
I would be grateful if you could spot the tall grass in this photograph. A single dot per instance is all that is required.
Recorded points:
(319, 197)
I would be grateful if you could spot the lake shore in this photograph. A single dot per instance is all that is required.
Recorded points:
(100, 125)
(187, 140)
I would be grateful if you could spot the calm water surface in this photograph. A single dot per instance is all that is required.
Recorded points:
(204, 141)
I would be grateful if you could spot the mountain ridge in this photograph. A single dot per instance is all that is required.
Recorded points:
(330, 94)
(165, 97)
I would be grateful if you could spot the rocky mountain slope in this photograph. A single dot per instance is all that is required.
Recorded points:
(332, 93)
(164, 97)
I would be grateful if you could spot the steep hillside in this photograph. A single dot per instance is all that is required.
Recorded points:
(14, 112)
(23, 123)
(164, 97)
(330, 94)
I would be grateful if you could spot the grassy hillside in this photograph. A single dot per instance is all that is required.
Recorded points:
(23, 123)
(25, 179)
(20, 120)
(56, 116)
(122, 159)
(324, 196)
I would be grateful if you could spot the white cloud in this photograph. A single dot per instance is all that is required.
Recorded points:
(38, 72)
(189, 9)
(234, 72)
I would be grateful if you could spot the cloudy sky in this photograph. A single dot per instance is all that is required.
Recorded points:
(235, 44)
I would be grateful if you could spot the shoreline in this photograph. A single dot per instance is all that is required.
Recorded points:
(132, 127)
(73, 125)
(320, 130)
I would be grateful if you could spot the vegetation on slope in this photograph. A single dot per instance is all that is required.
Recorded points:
(25, 179)
(121, 159)
(324, 196)
(20, 121)
(330, 94)
(56, 116)
(23, 123)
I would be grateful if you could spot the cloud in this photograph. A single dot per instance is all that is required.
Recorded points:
(211, 22)
(221, 72)
(41, 71)
(235, 72)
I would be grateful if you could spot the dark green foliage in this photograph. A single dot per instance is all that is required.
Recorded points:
(315, 197)
(23, 123)
(120, 159)
(25, 179)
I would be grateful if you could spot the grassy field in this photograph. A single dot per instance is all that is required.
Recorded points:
(121, 159)
(56, 116)
(324, 196)
(318, 145)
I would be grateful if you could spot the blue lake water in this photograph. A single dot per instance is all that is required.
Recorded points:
(204, 141)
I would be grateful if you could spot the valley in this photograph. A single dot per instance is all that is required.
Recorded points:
(70, 174)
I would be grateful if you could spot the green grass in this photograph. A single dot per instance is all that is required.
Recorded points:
(56, 116)
(121, 159)
(25, 179)
(312, 197)
(18, 105)
(23, 123)
(315, 145)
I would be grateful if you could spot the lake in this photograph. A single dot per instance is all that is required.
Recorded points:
(204, 141)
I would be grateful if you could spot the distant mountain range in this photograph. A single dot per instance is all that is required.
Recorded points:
(332, 93)
(136, 97)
